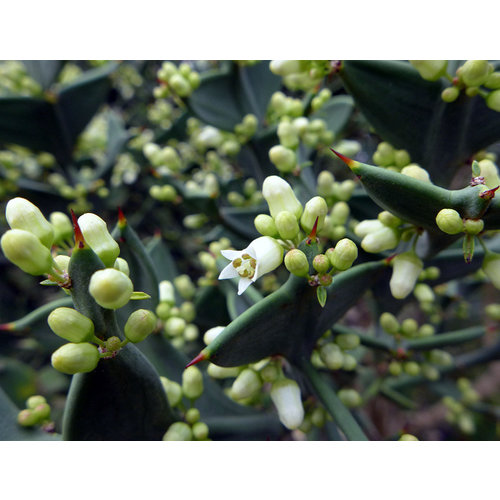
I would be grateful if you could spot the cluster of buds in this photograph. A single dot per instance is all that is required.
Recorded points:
(336, 353)
(379, 234)
(281, 105)
(301, 75)
(176, 81)
(408, 328)
(177, 321)
(37, 412)
(460, 410)
(391, 158)
(14, 79)
(474, 77)
(333, 191)
(251, 195)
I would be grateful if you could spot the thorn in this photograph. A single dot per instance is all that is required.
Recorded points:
(122, 221)
(312, 235)
(201, 357)
(9, 327)
(488, 194)
(348, 161)
(79, 239)
(388, 260)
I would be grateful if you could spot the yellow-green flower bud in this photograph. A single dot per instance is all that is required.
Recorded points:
(474, 73)
(285, 68)
(265, 225)
(440, 357)
(171, 158)
(406, 268)
(27, 418)
(411, 368)
(63, 229)
(167, 292)
(71, 325)
(385, 238)
(222, 372)
(191, 333)
(343, 255)
(287, 225)
(347, 341)
(489, 171)
(321, 263)
(33, 401)
(285, 395)
(173, 391)
(185, 286)
(96, 234)
(192, 382)
(212, 333)
(450, 94)
(174, 327)
(178, 431)
(350, 397)
(315, 208)
(473, 226)
(280, 196)
(246, 385)
(139, 325)
(296, 262)
(430, 372)
(180, 85)
(110, 288)
(491, 267)
(192, 416)
(449, 221)
(288, 135)
(187, 311)
(339, 213)
(430, 70)
(409, 327)
(395, 368)
(284, 159)
(41, 412)
(416, 172)
(22, 214)
(200, 431)
(423, 293)
(331, 356)
(75, 358)
(122, 265)
(493, 80)
(26, 251)
(325, 184)
(389, 323)
(493, 100)
(493, 311)
(408, 437)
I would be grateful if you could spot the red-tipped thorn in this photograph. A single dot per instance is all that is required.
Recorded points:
(312, 234)
(350, 163)
(79, 239)
(7, 327)
(121, 217)
(201, 357)
(488, 194)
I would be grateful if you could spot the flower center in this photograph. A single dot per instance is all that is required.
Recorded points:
(245, 266)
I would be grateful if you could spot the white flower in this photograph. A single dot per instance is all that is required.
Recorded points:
(262, 256)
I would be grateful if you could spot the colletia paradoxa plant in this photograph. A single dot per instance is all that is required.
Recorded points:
(301, 257)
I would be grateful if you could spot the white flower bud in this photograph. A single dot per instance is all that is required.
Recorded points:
(406, 268)
(96, 234)
(110, 288)
(285, 394)
(280, 196)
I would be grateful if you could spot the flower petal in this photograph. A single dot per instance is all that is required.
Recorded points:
(243, 285)
(231, 254)
(228, 272)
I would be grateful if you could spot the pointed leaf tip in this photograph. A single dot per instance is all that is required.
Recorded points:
(201, 357)
(7, 327)
(348, 161)
(312, 235)
(122, 221)
(79, 239)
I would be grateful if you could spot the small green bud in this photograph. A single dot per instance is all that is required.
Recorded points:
(388, 219)
(493, 81)
(33, 401)
(350, 397)
(285, 395)
(432, 273)
(318, 417)
(122, 265)
(426, 330)
(178, 431)
(430, 372)
(401, 158)
(173, 391)
(26, 251)
(316, 208)
(139, 325)
(192, 416)
(473, 226)
(185, 286)
(491, 267)
(474, 73)
(423, 292)
(285, 68)
(192, 382)
(41, 412)
(347, 341)
(174, 326)
(284, 159)
(212, 333)
(450, 94)
(408, 437)
(493, 100)
(395, 368)
(349, 362)
(325, 184)
(409, 327)
(200, 431)
(222, 372)
(194, 80)
(287, 225)
(321, 263)
(246, 385)
(96, 234)
(269, 373)
(280, 196)
(63, 229)
(71, 325)
(389, 323)
(22, 214)
(430, 70)
(27, 418)
(265, 225)
(163, 311)
(343, 255)
(296, 262)
(75, 358)
(191, 333)
(440, 358)
(288, 135)
(493, 311)
(110, 288)
(339, 213)
(412, 368)
(180, 85)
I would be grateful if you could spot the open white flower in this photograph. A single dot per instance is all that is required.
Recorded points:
(262, 256)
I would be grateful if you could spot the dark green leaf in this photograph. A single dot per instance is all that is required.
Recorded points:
(44, 72)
